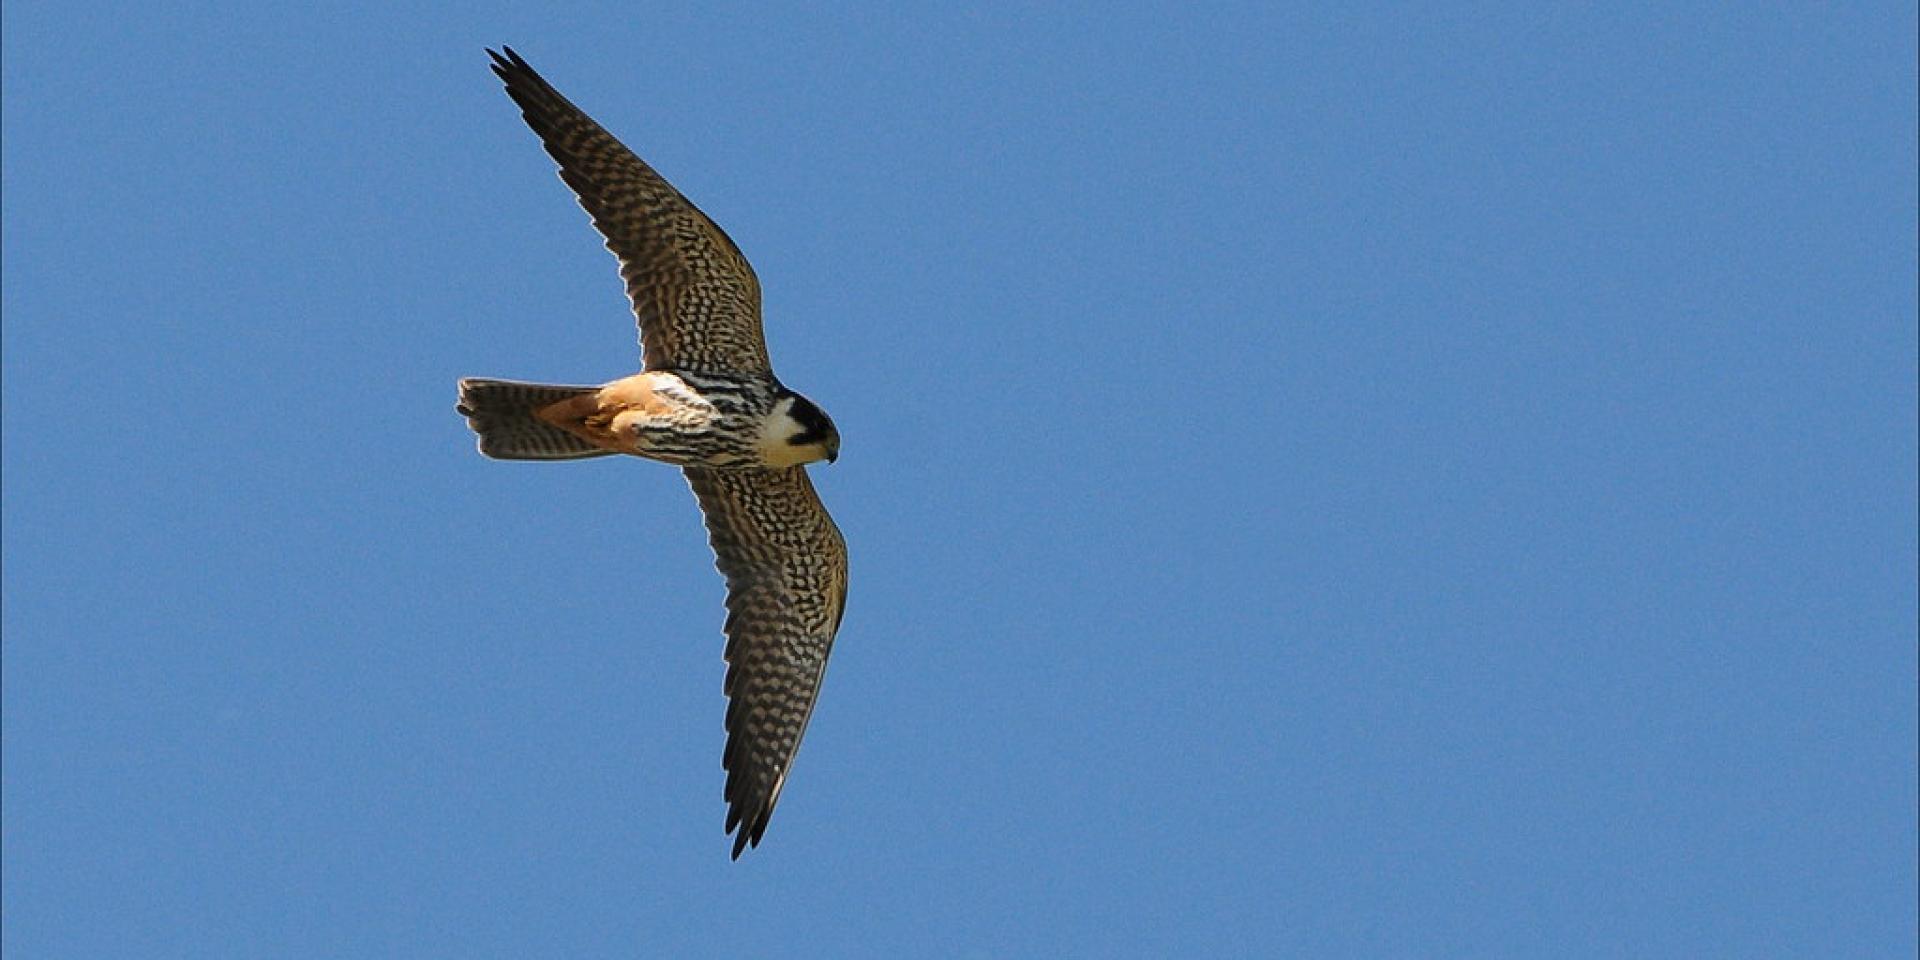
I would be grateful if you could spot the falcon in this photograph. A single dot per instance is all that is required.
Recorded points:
(705, 400)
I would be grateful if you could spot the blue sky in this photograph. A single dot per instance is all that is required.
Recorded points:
(1409, 480)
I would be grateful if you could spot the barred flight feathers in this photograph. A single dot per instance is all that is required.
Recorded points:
(786, 569)
(501, 412)
(694, 294)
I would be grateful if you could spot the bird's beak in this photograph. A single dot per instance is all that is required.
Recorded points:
(833, 454)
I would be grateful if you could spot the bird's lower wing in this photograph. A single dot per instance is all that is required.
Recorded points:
(786, 569)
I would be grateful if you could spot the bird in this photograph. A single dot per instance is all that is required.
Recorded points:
(706, 400)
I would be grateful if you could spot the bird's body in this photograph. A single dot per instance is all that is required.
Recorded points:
(707, 401)
(682, 418)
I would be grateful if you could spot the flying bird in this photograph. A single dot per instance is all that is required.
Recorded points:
(705, 400)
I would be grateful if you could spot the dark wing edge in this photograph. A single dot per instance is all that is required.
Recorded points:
(786, 569)
(693, 292)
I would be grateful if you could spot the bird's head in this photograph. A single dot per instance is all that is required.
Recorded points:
(798, 431)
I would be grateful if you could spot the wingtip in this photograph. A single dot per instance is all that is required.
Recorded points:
(747, 837)
(507, 57)
(507, 61)
(746, 830)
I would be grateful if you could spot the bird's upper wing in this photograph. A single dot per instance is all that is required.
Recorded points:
(786, 570)
(696, 297)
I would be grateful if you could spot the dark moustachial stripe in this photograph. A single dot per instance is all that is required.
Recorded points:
(814, 424)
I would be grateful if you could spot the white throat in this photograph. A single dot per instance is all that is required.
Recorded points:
(775, 430)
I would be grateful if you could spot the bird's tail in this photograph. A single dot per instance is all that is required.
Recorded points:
(502, 413)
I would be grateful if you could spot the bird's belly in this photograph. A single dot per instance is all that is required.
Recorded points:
(704, 442)
(659, 416)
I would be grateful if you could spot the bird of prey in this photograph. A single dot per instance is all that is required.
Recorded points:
(706, 401)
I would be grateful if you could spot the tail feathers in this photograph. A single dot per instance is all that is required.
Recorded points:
(501, 412)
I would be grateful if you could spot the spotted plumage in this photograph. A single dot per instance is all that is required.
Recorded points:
(707, 401)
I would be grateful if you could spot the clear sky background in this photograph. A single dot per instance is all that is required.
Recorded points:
(1386, 481)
